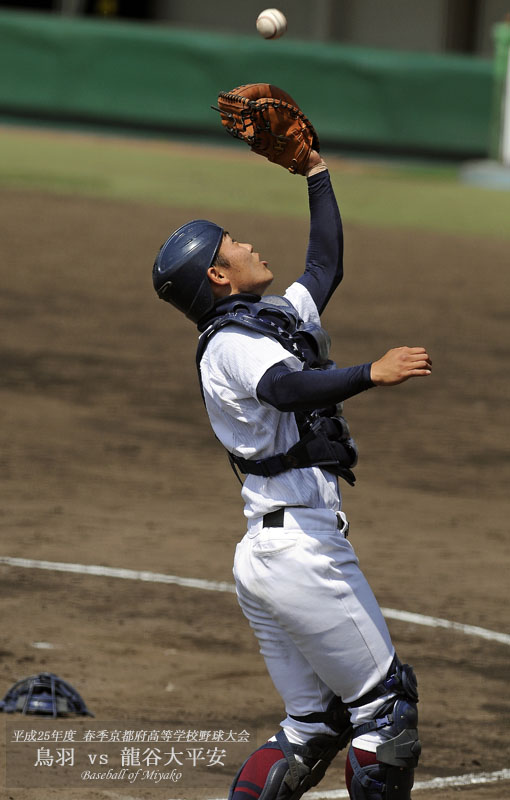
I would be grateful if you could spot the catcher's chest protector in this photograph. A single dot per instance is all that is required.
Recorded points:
(325, 440)
(272, 316)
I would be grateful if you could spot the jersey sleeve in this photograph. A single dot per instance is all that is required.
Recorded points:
(303, 302)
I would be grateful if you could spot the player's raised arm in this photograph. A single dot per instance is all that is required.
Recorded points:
(324, 258)
(272, 124)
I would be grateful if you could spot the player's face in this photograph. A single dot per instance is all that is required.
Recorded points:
(245, 271)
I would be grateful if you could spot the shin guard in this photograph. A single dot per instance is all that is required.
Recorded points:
(283, 771)
(389, 773)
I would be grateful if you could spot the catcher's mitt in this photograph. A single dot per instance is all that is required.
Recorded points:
(270, 122)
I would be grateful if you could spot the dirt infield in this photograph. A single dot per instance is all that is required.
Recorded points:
(107, 459)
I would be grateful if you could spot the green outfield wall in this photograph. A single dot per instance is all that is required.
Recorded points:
(160, 78)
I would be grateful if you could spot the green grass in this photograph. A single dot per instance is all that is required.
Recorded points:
(196, 177)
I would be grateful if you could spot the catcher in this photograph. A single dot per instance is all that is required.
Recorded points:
(274, 399)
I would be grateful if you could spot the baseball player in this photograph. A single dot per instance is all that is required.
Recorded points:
(274, 400)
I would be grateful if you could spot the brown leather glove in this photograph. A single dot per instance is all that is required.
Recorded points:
(271, 123)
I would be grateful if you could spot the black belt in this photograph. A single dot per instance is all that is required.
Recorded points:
(276, 519)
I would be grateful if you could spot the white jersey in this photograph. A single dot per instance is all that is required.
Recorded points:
(233, 364)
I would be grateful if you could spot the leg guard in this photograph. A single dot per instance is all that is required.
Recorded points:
(283, 771)
(391, 776)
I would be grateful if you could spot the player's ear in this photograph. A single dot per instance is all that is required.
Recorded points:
(217, 275)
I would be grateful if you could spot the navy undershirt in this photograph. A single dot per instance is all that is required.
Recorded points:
(324, 258)
(288, 390)
(280, 386)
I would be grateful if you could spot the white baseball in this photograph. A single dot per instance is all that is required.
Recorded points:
(271, 23)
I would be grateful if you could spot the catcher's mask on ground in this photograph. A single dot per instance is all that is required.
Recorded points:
(179, 274)
(44, 694)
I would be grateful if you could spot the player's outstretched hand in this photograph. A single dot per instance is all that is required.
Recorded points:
(399, 364)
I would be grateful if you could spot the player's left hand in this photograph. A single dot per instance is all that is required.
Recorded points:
(399, 364)
(314, 160)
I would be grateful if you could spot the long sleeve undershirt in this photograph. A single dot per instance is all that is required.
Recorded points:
(286, 389)
(324, 257)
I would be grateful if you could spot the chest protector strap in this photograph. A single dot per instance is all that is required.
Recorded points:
(325, 440)
(326, 444)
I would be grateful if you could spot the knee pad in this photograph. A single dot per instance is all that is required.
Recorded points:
(391, 776)
(283, 771)
(371, 780)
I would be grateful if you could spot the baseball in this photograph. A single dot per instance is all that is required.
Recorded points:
(271, 23)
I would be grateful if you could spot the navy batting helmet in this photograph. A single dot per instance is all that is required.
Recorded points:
(44, 694)
(180, 270)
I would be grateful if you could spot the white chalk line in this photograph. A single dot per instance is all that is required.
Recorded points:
(470, 779)
(224, 586)
(436, 622)
(452, 782)
(116, 572)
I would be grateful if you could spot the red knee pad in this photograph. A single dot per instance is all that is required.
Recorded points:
(365, 759)
(252, 778)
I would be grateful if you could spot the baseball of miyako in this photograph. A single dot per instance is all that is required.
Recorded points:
(271, 23)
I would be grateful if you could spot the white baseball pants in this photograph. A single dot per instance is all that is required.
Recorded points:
(319, 626)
